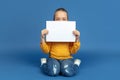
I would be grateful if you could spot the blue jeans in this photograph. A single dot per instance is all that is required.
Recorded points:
(55, 67)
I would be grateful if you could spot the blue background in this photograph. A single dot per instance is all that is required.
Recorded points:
(22, 20)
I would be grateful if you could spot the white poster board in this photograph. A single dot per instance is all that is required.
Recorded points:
(60, 31)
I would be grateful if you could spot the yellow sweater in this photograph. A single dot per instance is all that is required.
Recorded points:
(60, 50)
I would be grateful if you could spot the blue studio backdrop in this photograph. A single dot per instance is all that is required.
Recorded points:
(22, 20)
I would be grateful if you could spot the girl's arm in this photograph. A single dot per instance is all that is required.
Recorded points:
(44, 45)
(74, 47)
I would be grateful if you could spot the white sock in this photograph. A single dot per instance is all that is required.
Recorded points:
(77, 62)
(43, 60)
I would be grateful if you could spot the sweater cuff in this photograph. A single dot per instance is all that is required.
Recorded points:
(77, 43)
(43, 43)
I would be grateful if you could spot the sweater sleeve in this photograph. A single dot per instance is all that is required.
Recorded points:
(74, 47)
(45, 47)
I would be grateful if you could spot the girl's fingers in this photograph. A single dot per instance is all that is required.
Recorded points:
(76, 33)
(42, 36)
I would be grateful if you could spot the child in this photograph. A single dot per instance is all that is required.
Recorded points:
(60, 59)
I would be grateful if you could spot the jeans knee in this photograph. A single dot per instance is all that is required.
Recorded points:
(54, 70)
(67, 72)
(52, 67)
(67, 68)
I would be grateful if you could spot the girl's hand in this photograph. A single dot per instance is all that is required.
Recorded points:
(44, 32)
(77, 35)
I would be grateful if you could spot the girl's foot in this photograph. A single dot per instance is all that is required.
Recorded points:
(77, 62)
(43, 61)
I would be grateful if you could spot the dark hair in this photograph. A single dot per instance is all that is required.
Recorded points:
(60, 9)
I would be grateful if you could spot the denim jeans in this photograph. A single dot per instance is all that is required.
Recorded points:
(55, 67)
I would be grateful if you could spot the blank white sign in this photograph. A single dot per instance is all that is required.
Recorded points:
(60, 31)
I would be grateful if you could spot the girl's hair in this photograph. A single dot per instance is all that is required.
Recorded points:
(60, 9)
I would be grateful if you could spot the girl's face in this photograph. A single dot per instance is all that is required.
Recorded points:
(61, 16)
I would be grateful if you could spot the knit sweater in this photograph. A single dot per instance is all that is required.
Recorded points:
(60, 50)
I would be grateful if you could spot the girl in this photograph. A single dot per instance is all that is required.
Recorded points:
(60, 59)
